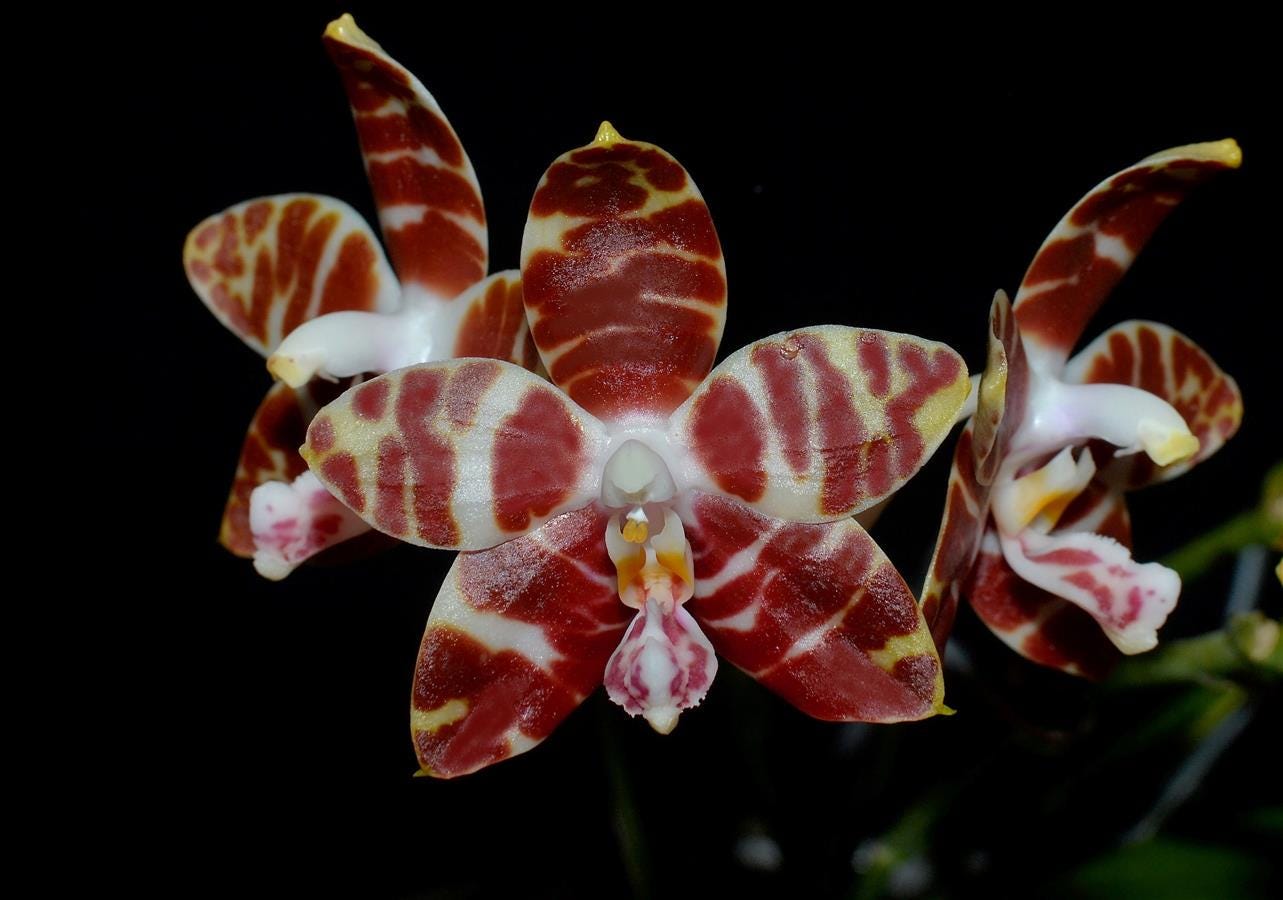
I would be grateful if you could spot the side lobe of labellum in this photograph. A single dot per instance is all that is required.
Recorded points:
(1038, 625)
(822, 423)
(265, 266)
(815, 612)
(625, 285)
(424, 186)
(1095, 243)
(518, 637)
(1159, 359)
(460, 454)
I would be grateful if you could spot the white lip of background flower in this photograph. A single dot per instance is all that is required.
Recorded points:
(1036, 532)
(302, 279)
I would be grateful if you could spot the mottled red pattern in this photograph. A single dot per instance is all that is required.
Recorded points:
(805, 577)
(393, 117)
(726, 435)
(848, 474)
(560, 580)
(786, 400)
(491, 325)
(504, 690)
(339, 472)
(370, 400)
(1129, 207)
(352, 283)
(437, 252)
(616, 291)
(539, 455)
(1167, 364)
(1067, 636)
(432, 471)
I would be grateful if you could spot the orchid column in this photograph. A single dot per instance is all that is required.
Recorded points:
(709, 509)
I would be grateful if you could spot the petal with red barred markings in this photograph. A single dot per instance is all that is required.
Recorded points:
(966, 511)
(1159, 359)
(265, 266)
(518, 637)
(1095, 243)
(624, 281)
(819, 424)
(424, 186)
(460, 454)
(816, 613)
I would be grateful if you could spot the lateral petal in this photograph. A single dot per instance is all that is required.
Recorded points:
(1159, 359)
(459, 454)
(822, 423)
(266, 266)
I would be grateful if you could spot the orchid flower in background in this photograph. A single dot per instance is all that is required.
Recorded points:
(712, 509)
(1036, 531)
(302, 280)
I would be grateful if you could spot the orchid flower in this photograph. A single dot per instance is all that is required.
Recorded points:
(302, 280)
(643, 512)
(1036, 531)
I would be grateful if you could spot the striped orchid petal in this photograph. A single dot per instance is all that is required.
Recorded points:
(270, 453)
(815, 612)
(427, 194)
(624, 279)
(492, 322)
(1094, 245)
(966, 513)
(518, 637)
(460, 454)
(1037, 624)
(265, 266)
(1159, 359)
(819, 424)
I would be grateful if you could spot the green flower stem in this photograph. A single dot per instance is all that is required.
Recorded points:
(1249, 645)
(1200, 554)
(633, 849)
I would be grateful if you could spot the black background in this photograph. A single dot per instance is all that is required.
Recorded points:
(259, 731)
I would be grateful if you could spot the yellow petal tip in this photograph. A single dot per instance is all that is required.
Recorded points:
(607, 135)
(288, 370)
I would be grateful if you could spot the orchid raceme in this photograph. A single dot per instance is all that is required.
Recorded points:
(1036, 531)
(641, 511)
(302, 280)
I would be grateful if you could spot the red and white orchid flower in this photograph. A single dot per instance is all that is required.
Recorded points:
(302, 280)
(1036, 531)
(712, 509)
